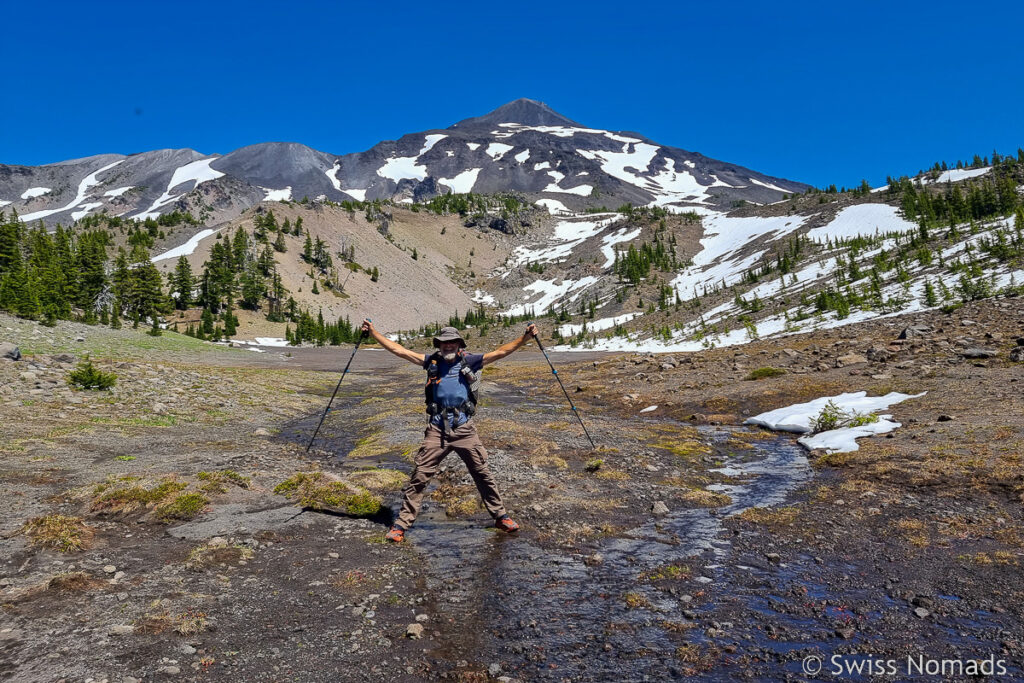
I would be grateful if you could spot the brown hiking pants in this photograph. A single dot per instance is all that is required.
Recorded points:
(465, 442)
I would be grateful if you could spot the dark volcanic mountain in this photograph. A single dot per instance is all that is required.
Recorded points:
(523, 146)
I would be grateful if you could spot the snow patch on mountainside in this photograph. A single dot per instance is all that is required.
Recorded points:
(769, 185)
(430, 141)
(196, 172)
(84, 209)
(35, 192)
(463, 182)
(558, 131)
(522, 156)
(608, 243)
(332, 175)
(568, 235)
(550, 292)
(358, 195)
(570, 330)
(398, 168)
(553, 206)
(863, 219)
(118, 192)
(83, 189)
(955, 174)
(718, 261)
(278, 195)
(496, 150)
(185, 249)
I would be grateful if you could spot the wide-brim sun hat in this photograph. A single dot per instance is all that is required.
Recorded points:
(448, 334)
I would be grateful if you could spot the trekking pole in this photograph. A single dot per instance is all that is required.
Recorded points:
(555, 373)
(338, 386)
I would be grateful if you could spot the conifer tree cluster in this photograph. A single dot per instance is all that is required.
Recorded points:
(63, 276)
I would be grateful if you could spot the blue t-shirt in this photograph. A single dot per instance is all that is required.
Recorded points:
(453, 389)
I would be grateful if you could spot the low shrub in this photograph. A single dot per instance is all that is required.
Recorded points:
(89, 377)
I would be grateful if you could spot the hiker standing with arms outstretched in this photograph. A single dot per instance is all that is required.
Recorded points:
(450, 396)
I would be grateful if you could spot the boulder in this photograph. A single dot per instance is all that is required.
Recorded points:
(9, 351)
(501, 225)
(850, 359)
(414, 631)
(878, 354)
(977, 352)
(659, 509)
(915, 331)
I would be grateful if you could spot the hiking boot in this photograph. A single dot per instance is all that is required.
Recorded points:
(395, 534)
(506, 523)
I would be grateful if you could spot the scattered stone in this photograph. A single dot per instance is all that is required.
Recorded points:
(978, 352)
(414, 631)
(110, 569)
(945, 418)
(494, 670)
(187, 649)
(422, 618)
(921, 612)
(121, 630)
(594, 560)
(169, 670)
(845, 633)
(659, 509)
(262, 431)
(774, 558)
(1017, 354)
(160, 408)
(792, 353)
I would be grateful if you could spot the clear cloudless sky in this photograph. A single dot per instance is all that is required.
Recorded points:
(811, 91)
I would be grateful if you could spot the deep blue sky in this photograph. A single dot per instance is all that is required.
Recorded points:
(815, 92)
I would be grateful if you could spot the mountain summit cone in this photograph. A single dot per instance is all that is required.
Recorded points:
(525, 111)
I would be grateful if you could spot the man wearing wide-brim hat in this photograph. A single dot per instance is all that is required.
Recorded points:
(452, 377)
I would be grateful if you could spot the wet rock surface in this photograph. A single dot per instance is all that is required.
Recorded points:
(679, 548)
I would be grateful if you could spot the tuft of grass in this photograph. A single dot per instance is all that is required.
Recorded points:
(73, 581)
(379, 479)
(315, 490)
(593, 465)
(636, 601)
(705, 498)
(60, 532)
(125, 499)
(210, 554)
(914, 531)
(669, 571)
(124, 458)
(183, 508)
(189, 623)
(88, 376)
(613, 475)
(458, 501)
(772, 517)
(764, 373)
(215, 482)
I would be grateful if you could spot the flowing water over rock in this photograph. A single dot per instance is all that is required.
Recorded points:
(548, 614)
